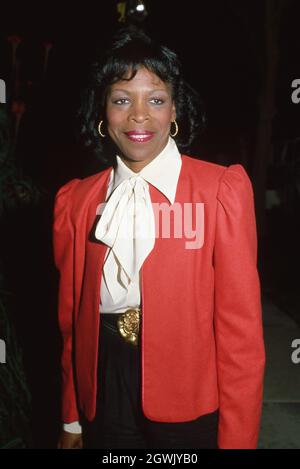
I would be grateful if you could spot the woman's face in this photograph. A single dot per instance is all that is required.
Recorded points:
(139, 113)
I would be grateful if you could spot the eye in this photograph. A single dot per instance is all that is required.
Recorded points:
(157, 101)
(121, 101)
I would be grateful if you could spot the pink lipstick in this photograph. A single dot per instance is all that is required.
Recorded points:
(139, 136)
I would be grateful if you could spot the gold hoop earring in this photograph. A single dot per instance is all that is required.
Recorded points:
(176, 129)
(99, 129)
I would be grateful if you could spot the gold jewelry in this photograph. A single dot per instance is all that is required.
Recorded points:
(176, 129)
(128, 325)
(99, 129)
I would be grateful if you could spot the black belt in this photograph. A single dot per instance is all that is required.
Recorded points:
(127, 323)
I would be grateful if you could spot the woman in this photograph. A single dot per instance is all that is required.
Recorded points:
(159, 301)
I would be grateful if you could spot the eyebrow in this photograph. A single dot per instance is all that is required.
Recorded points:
(128, 92)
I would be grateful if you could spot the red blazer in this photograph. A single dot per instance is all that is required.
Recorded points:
(202, 337)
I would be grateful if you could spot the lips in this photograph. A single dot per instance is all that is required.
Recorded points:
(139, 136)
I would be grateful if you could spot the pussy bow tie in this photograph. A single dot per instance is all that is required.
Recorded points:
(127, 226)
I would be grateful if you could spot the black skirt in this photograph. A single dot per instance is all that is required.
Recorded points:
(119, 420)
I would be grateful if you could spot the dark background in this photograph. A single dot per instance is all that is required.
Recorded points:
(221, 46)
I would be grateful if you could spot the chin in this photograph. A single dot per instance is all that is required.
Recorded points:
(138, 154)
(143, 151)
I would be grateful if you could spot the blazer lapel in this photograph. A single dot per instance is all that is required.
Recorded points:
(92, 251)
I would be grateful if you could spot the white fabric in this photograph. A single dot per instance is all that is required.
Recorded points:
(73, 427)
(127, 226)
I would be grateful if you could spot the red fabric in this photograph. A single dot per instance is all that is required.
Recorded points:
(202, 337)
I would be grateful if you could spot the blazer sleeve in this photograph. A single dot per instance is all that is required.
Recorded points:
(238, 313)
(63, 243)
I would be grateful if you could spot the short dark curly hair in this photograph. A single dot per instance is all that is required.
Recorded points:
(130, 50)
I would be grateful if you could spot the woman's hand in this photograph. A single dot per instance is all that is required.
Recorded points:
(69, 440)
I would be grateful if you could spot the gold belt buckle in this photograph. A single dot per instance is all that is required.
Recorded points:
(128, 325)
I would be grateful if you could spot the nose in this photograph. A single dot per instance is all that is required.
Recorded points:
(139, 112)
